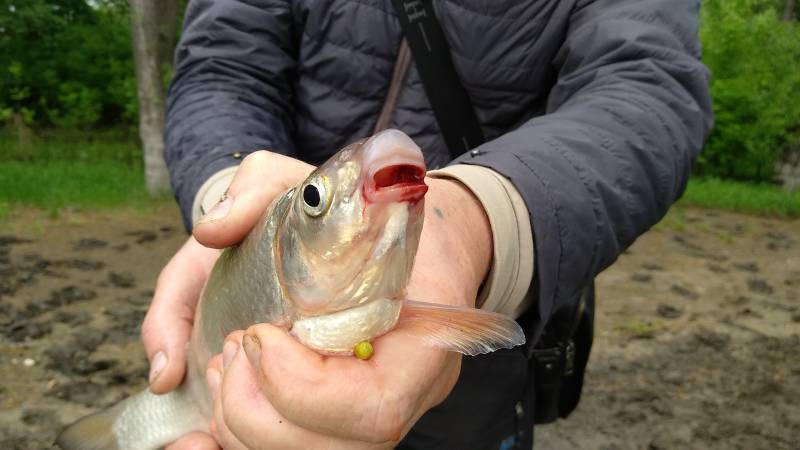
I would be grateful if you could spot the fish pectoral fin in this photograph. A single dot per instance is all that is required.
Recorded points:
(469, 331)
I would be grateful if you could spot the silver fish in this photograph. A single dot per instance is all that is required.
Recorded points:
(330, 260)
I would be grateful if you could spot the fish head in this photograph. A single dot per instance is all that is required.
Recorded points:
(351, 233)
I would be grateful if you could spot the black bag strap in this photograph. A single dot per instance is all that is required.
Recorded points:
(450, 101)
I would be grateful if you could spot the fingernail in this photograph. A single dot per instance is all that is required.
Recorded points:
(252, 348)
(219, 211)
(229, 351)
(213, 378)
(157, 365)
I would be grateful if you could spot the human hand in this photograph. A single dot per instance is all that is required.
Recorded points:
(167, 326)
(270, 391)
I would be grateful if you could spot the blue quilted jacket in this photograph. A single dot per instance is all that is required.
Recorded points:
(594, 109)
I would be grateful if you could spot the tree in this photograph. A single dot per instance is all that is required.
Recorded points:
(54, 58)
(755, 88)
(788, 10)
(153, 23)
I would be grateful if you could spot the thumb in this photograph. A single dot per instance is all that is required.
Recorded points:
(261, 177)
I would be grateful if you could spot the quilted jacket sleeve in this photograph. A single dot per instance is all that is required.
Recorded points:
(629, 113)
(231, 89)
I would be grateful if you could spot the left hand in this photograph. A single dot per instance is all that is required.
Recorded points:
(270, 391)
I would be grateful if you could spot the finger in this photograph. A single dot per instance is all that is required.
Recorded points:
(244, 416)
(194, 441)
(383, 396)
(218, 427)
(261, 177)
(214, 374)
(168, 324)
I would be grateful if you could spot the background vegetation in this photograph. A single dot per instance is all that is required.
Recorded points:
(68, 95)
(66, 63)
(754, 57)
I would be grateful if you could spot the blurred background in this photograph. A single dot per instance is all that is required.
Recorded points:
(698, 323)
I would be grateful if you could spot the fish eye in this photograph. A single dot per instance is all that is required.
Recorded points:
(311, 196)
(315, 197)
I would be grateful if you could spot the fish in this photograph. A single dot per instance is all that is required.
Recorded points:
(329, 260)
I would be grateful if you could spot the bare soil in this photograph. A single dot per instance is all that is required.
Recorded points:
(697, 343)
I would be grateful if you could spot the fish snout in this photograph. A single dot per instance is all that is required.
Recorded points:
(394, 169)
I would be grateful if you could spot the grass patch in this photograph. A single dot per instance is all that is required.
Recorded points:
(737, 196)
(116, 145)
(639, 329)
(55, 169)
(674, 220)
(59, 184)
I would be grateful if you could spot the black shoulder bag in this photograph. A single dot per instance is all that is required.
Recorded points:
(559, 358)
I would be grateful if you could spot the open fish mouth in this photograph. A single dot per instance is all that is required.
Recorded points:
(396, 183)
(395, 169)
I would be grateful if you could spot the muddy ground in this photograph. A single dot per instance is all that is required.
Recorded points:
(697, 342)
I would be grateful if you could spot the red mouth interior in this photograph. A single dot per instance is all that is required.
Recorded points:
(398, 183)
(399, 176)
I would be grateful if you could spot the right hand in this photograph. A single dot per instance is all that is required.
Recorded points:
(167, 327)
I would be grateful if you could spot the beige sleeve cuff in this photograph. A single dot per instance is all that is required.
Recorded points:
(506, 289)
(211, 192)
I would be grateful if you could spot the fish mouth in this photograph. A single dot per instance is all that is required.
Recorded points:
(395, 169)
(396, 183)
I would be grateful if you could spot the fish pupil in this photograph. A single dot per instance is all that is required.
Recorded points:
(311, 196)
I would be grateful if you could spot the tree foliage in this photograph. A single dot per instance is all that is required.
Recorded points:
(66, 63)
(69, 64)
(754, 58)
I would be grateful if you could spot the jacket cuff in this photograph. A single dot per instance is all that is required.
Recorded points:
(506, 289)
(211, 191)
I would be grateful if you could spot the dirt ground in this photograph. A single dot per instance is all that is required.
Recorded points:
(697, 341)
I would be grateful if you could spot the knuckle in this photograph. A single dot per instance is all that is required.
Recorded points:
(148, 330)
(391, 419)
(256, 158)
(167, 273)
(387, 432)
(227, 415)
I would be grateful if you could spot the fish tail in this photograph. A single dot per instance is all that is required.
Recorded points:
(92, 432)
(464, 330)
(142, 422)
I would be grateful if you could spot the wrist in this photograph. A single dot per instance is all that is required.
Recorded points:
(458, 217)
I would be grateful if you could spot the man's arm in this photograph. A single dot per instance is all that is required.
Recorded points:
(626, 119)
(230, 92)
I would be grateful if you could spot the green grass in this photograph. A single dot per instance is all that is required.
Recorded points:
(55, 169)
(639, 328)
(116, 145)
(60, 184)
(761, 199)
(58, 169)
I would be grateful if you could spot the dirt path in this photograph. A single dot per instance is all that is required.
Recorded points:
(697, 341)
(698, 330)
